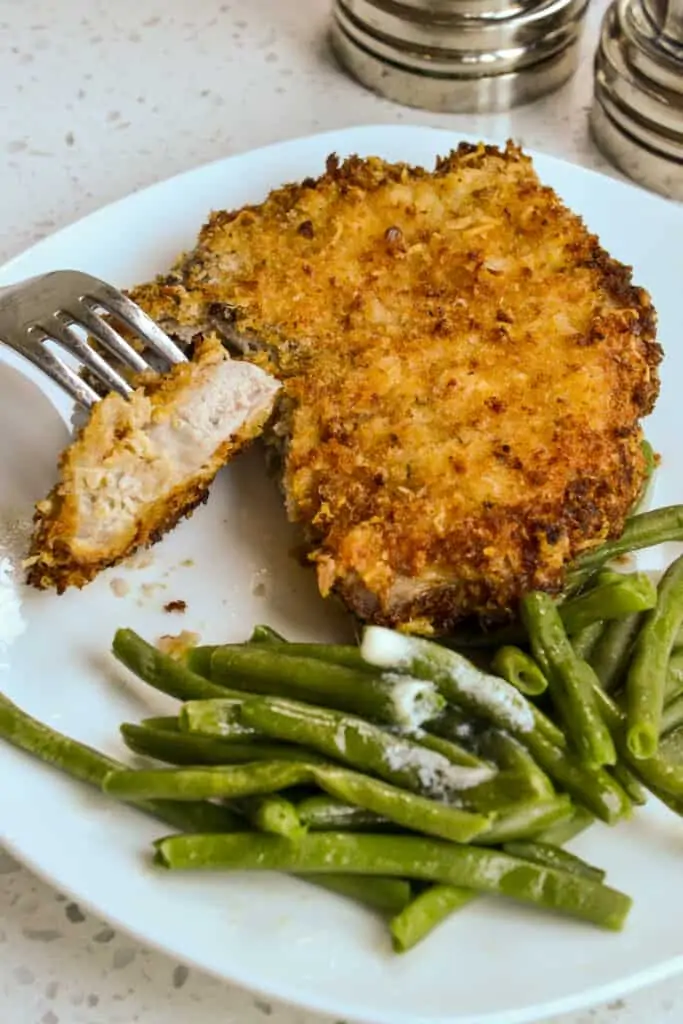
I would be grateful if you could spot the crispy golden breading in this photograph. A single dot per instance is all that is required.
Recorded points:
(463, 369)
(139, 465)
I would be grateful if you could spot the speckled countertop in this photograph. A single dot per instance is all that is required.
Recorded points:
(99, 99)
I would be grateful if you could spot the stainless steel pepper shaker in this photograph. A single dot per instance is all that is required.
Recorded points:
(637, 112)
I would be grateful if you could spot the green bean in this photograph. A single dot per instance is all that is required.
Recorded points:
(554, 857)
(672, 746)
(657, 773)
(646, 679)
(403, 857)
(674, 803)
(504, 790)
(220, 717)
(390, 698)
(324, 813)
(520, 670)
(360, 745)
(166, 723)
(571, 680)
(266, 634)
(629, 783)
(621, 596)
(334, 654)
(88, 765)
(409, 810)
(191, 749)
(456, 726)
(611, 655)
(435, 904)
(525, 820)
(563, 831)
(206, 783)
(673, 715)
(460, 682)
(674, 675)
(161, 671)
(428, 909)
(595, 789)
(454, 752)
(508, 753)
(406, 809)
(198, 659)
(585, 640)
(273, 813)
(386, 895)
(641, 531)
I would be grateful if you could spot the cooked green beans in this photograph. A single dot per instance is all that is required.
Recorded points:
(511, 755)
(657, 773)
(674, 675)
(386, 895)
(611, 655)
(185, 748)
(425, 912)
(403, 857)
(488, 696)
(614, 599)
(406, 809)
(526, 819)
(641, 531)
(672, 716)
(208, 783)
(520, 670)
(585, 640)
(448, 748)
(335, 654)
(554, 857)
(391, 698)
(273, 813)
(563, 831)
(646, 679)
(218, 717)
(571, 680)
(417, 813)
(88, 765)
(328, 814)
(594, 788)
(266, 634)
(363, 746)
(160, 671)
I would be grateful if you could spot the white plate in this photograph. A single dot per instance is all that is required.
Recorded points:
(492, 962)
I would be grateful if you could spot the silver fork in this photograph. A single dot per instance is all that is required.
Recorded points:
(54, 306)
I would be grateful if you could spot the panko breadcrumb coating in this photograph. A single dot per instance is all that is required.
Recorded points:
(463, 373)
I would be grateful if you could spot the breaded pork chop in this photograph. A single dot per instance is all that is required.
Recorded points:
(463, 366)
(141, 464)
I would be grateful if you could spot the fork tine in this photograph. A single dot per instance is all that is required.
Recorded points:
(83, 316)
(133, 317)
(69, 339)
(56, 370)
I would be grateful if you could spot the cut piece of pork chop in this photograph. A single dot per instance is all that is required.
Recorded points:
(139, 465)
(464, 369)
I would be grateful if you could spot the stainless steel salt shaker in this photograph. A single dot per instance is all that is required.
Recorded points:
(637, 112)
(458, 55)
